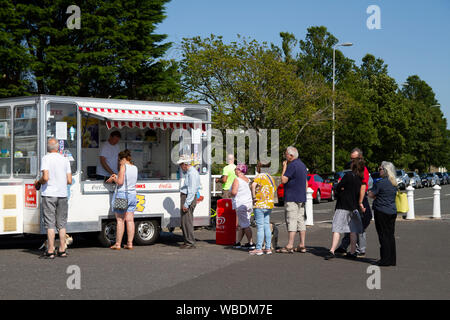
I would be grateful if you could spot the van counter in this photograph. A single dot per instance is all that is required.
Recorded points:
(142, 186)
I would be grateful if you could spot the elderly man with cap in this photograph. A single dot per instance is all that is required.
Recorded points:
(189, 186)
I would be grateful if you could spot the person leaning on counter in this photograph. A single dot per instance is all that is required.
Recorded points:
(108, 163)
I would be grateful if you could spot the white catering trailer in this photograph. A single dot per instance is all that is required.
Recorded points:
(156, 133)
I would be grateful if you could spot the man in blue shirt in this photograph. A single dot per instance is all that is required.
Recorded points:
(189, 186)
(294, 178)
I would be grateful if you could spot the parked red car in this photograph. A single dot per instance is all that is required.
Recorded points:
(322, 189)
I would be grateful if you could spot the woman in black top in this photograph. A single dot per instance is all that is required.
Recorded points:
(384, 192)
(346, 217)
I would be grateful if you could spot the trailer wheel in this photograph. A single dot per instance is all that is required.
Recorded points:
(146, 232)
(107, 236)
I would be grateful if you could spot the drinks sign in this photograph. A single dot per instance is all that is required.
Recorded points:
(30, 196)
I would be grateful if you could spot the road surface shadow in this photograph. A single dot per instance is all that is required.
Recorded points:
(322, 252)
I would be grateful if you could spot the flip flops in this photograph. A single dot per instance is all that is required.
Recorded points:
(115, 247)
(48, 255)
(285, 250)
(300, 249)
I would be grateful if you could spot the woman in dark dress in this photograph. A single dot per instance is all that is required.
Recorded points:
(346, 217)
(384, 192)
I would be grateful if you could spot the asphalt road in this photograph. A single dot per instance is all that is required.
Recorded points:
(163, 271)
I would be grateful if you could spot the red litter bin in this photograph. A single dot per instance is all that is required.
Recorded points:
(225, 222)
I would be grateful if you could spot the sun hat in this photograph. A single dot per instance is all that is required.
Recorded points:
(184, 159)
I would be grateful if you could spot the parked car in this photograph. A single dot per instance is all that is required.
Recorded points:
(402, 179)
(426, 180)
(280, 194)
(447, 175)
(376, 177)
(321, 189)
(415, 180)
(434, 179)
(442, 178)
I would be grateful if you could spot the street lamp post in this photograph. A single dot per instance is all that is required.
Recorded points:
(345, 44)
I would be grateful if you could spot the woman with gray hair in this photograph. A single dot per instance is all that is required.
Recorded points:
(384, 192)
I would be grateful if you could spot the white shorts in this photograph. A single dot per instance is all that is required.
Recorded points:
(244, 213)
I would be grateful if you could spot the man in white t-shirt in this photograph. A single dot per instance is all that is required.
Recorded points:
(56, 175)
(108, 163)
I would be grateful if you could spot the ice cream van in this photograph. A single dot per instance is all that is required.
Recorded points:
(156, 133)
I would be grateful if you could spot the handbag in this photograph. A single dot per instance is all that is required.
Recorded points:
(121, 203)
(401, 202)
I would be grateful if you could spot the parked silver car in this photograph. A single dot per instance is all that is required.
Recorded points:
(415, 180)
(447, 175)
(434, 179)
(402, 179)
(442, 178)
(426, 180)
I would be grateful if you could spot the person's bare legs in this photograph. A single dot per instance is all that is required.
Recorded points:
(291, 240)
(302, 239)
(62, 240)
(119, 229)
(129, 218)
(240, 235)
(51, 240)
(248, 233)
(335, 241)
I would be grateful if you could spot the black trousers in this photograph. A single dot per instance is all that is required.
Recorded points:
(385, 225)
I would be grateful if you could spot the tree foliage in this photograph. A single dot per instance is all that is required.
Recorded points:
(254, 85)
(115, 53)
(249, 85)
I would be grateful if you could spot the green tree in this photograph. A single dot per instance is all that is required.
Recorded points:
(249, 85)
(428, 135)
(116, 53)
(316, 56)
(14, 57)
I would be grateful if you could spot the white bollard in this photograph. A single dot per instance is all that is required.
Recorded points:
(437, 202)
(410, 194)
(309, 207)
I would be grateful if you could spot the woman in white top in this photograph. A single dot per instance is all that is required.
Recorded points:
(126, 182)
(243, 204)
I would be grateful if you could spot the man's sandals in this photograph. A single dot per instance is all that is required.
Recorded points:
(300, 249)
(291, 250)
(285, 250)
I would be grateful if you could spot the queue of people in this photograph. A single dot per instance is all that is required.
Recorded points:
(352, 214)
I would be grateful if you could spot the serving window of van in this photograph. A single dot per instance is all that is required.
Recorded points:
(151, 149)
(62, 125)
(25, 141)
(5, 142)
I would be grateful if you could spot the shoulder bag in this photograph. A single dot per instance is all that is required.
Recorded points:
(121, 203)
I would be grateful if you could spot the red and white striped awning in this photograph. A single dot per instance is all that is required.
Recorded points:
(132, 118)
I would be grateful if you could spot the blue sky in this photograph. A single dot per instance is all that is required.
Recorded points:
(414, 37)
